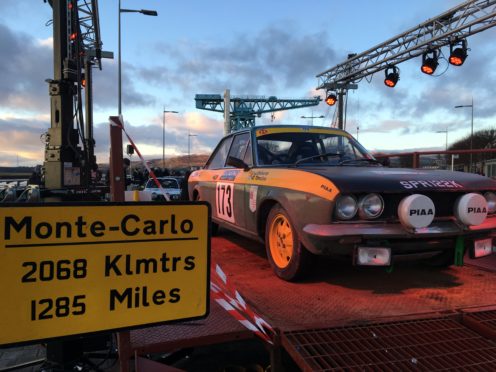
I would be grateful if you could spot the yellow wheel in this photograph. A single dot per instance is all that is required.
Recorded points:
(287, 256)
(281, 241)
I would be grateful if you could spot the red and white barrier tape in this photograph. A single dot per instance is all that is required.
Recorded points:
(150, 171)
(221, 290)
(232, 301)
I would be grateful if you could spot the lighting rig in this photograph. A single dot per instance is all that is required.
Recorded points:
(451, 28)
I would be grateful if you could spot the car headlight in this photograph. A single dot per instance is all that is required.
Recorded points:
(346, 207)
(370, 206)
(491, 201)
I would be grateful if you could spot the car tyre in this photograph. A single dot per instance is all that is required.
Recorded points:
(287, 256)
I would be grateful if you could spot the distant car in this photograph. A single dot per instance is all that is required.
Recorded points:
(306, 191)
(171, 185)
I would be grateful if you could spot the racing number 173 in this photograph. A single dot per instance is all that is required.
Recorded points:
(224, 195)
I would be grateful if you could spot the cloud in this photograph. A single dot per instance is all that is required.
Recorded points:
(20, 139)
(261, 64)
(206, 133)
(105, 87)
(22, 73)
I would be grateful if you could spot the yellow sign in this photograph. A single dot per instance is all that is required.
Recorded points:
(74, 269)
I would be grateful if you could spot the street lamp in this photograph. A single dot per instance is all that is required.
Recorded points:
(189, 147)
(142, 11)
(472, 129)
(444, 131)
(163, 134)
(313, 117)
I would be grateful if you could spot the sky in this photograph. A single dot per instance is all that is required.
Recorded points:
(258, 48)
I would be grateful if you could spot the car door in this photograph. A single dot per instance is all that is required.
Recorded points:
(230, 195)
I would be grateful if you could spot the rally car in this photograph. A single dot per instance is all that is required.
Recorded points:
(307, 191)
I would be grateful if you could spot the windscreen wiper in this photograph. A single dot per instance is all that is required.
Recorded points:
(316, 156)
(351, 161)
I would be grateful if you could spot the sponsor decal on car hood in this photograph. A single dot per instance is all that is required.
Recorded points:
(373, 179)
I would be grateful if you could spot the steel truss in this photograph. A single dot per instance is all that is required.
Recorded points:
(458, 23)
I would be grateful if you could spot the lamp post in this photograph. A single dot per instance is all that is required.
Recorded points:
(189, 147)
(142, 11)
(313, 117)
(471, 130)
(444, 131)
(163, 133)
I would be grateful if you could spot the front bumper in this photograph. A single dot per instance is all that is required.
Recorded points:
(396, 230)
(342, 239)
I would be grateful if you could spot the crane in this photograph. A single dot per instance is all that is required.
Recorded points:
(241, 111)
(77, 48)
(449, 28)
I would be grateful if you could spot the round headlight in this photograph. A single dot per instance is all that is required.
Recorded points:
(346, 207)
(370, 206)
(491, 201)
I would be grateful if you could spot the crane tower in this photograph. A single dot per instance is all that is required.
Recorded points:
(241, 111)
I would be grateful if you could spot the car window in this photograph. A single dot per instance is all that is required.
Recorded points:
(270, 150)
(169, 184)
(288, 148)
(239, 145)
(218, 158)
(248, 159)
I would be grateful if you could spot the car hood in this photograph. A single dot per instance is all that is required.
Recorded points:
(378, 179)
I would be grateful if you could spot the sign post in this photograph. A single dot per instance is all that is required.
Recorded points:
(79, 269)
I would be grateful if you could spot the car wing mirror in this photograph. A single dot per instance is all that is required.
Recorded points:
(237, 163)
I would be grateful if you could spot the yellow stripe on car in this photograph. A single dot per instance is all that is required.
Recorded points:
(291, 179)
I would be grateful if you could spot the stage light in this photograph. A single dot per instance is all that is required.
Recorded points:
(458, 53)
(429, 62)
(392, 74)
(331, 98)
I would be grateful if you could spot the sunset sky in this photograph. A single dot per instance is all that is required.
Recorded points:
(260, 48)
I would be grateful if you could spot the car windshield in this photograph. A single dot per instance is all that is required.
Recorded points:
(310, 146)
(166, 184)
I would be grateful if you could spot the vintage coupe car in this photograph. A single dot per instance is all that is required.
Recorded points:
(308, 191)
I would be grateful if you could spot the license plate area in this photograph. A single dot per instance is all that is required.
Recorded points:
(373, 256)
(481, 248)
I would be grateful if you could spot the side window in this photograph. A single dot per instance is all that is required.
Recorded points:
(218, 159)
(248, 159)
(239, 145)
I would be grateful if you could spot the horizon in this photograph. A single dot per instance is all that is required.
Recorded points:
(168, 59)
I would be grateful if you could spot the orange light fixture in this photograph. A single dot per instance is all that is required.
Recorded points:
(429, 62)
(392, 76)
(458, 53)
(331, 99)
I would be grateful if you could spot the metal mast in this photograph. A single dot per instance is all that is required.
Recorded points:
(76, 49)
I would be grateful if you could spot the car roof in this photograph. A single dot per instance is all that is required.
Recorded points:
(257, 128)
